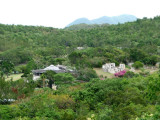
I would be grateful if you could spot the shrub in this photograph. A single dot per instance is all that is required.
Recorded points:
(86, 74)
(138, 65)
(97, 62)
(151, 60)
(129, 74)
(105, 114)
(63, 101)
(63, 78)
(68, 115)
(5, 112)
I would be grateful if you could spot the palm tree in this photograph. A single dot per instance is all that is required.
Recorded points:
(43, 77)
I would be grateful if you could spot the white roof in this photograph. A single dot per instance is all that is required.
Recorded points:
(51, 67)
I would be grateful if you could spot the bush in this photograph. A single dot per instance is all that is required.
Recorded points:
(97, 62)
(5, 112)
(105, 114)
(86, 74)
(129, 74)
(63, 78)
(151, 60)
(68, 115)
(63, 101)
(138, 65)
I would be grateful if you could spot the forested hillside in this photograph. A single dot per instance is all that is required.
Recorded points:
(84, 26)
(29, 41)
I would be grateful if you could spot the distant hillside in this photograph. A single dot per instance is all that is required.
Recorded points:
(105, 20)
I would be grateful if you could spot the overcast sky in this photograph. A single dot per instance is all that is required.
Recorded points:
(59, 13)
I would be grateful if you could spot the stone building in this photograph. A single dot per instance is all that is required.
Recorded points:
(111, 68)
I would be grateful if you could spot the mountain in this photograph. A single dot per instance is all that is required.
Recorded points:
(105, 20)
(79, 21)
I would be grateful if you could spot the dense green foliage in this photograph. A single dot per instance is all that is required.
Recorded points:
(23, 43)
(6, 67)
(84, 26)
(112, 99)
(63, 78)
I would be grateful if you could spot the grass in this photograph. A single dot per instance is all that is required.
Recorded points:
(150, 70)
(100, 73)
(14, 77)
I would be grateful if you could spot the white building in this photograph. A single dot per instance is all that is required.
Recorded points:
(111, 68)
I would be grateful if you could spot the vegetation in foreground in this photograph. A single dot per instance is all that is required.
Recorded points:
(109, 99)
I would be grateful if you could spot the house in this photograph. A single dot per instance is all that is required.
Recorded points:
(57, 69)
(111, 68)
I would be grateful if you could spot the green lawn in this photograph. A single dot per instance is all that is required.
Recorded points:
(14, 77)
(100, 72)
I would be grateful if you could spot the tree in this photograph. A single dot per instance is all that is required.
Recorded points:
(6, 67)
(5, 90)
(129, 74)
(30, 66)
(50, 76)
(137, 65)
(59, 60)
(75, 57)
(153, 88)
(136, 54)
(159, 70)
(43, 77)
(63, 78)
(86, 74)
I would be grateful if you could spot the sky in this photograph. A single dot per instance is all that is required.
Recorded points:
(59, 13)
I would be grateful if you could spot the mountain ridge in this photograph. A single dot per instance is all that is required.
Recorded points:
(105, 20)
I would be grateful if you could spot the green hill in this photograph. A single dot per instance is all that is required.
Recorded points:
(29, 41)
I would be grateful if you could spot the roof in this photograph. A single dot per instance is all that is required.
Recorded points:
(62, 67)
(57, 69)
(39, 71)
(52, 67)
